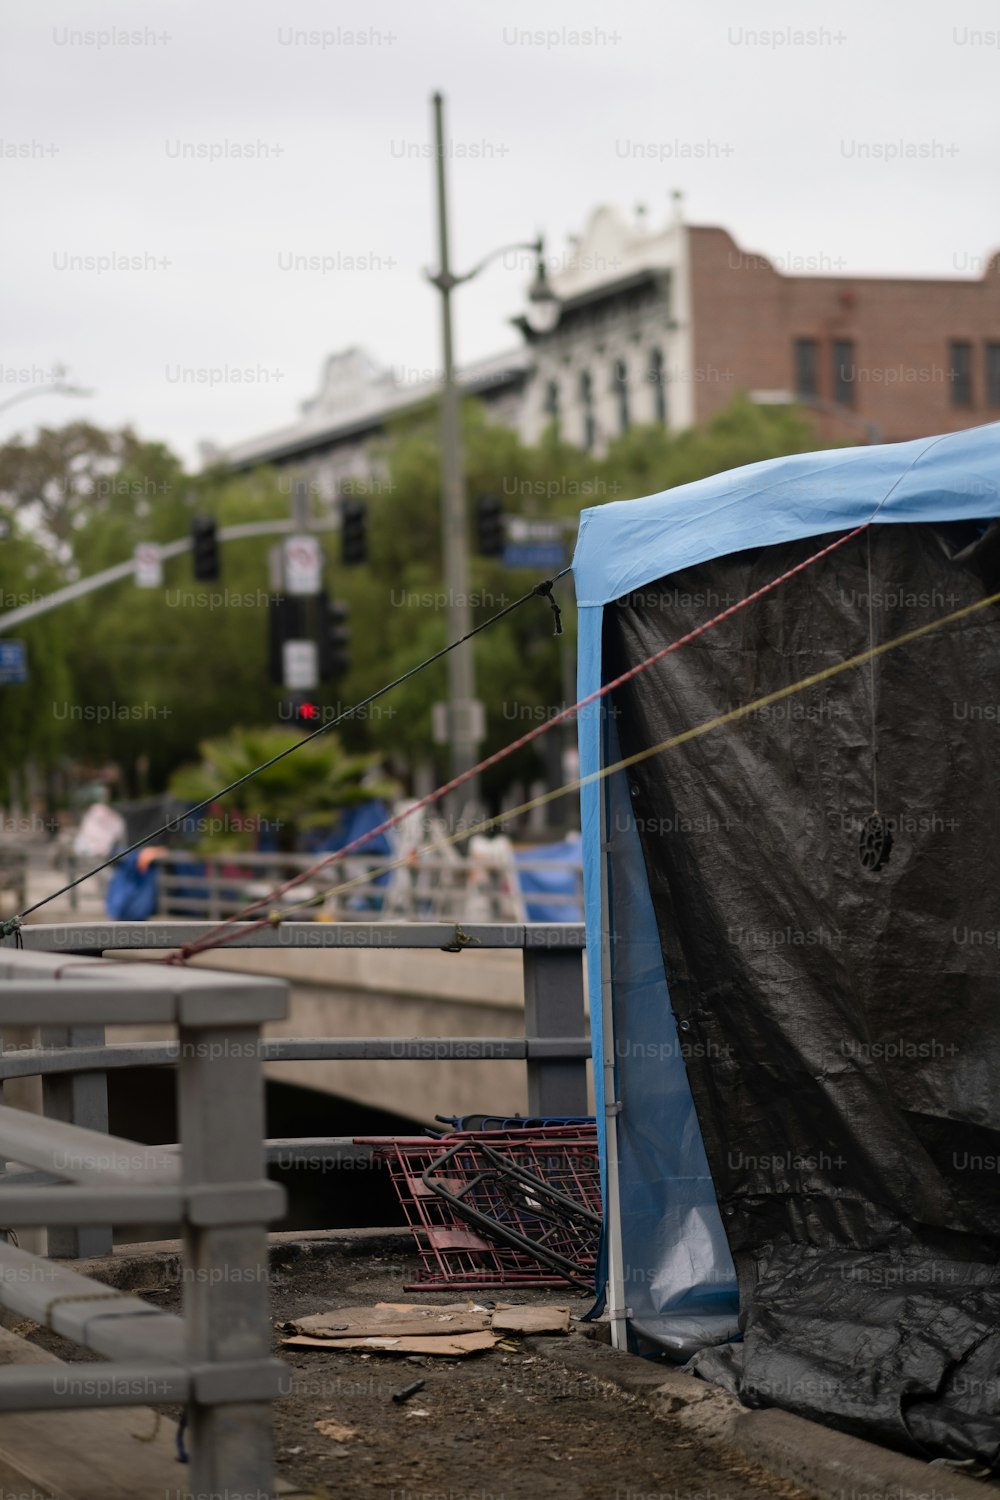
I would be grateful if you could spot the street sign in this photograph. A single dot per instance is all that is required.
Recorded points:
(534, 544)
(13, 661)
(303, 565)
(469, 715)
(300, 662)
(544, 557)
(525, 529)
(148, 566)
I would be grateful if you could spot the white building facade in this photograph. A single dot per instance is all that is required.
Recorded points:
(618, 354)
(617, 357)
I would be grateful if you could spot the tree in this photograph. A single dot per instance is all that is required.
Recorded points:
(303, 791)
(398, 602)
(68, 478)
(145, 675)
(32, 713)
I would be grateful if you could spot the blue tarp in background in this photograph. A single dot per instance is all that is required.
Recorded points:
(132, 893)
(537, 884)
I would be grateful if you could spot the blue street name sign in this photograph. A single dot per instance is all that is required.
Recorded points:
(543, 555)
(13, 661)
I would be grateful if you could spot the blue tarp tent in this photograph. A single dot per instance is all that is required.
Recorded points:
(670, 1274)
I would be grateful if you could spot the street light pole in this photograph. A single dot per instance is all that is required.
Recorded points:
(56, 387)
(454, 531)
(465, 714)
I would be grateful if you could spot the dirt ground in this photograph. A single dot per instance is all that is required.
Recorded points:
(506, 1424)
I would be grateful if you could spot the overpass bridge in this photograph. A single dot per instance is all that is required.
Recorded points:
(417, 1019)
(352, 980)
(453, 1007)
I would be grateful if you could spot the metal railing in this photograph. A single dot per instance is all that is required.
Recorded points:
(73, 1063)
(431, 887)
(217, 1357)
(13, 880)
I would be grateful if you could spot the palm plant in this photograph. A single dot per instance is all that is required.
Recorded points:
(303, 791)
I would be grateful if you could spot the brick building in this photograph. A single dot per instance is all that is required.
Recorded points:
(666, 326)
(903, 356)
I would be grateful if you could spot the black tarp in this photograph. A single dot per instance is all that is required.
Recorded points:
(844, 1022)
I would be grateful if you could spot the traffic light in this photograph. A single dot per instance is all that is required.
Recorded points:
(489, 526)
(286, 621)
(353, 532)
(205, 545)
(302, 711)
(334, 637)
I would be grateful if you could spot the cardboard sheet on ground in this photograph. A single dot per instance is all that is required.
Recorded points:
(448, 1329)
(393, 1320)
(414, 1343)
(530, 1320)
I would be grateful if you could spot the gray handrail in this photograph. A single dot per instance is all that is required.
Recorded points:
(73, 1061)
(215, 1187)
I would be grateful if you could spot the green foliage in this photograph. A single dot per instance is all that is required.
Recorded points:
(304, 790)
(398, 602)
(134, 675)
(84, 489)
(31, 713)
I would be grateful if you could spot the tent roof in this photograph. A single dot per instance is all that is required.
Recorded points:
(628, 543)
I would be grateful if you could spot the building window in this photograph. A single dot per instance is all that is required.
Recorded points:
(960, 372)
(587, 402)
(807, 367)
(658, 379)
(552, 402)
(619, 388)
(993, 374)
(843, 372)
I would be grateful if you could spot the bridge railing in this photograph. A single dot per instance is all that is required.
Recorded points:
(216, 1359)
(432, 886)
(74, 1059)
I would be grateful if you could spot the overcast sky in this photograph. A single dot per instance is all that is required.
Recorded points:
(861, 136)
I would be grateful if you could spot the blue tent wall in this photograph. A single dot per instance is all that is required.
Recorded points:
(676, 1271)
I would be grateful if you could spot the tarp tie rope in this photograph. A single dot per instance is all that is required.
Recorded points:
(213, 939)
(174, 823)
(718, 722)
(545, 590)
(461, 940)
(12, 925)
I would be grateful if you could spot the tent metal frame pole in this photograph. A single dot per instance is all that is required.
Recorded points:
(617, 1310)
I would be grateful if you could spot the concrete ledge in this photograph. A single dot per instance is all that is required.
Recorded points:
(826, 1464)
(833, 1464)
(151, 1263)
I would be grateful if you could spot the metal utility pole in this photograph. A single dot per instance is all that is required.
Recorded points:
(464, 713)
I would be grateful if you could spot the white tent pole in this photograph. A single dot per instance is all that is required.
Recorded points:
(617, 1311)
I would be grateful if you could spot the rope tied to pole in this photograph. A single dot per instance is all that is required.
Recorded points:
(12, 927)
(544, 591)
